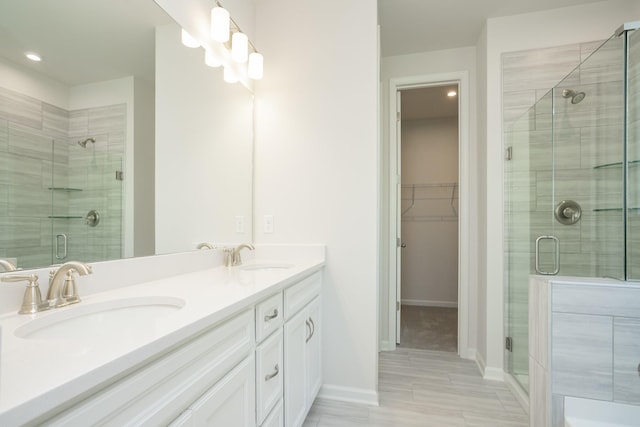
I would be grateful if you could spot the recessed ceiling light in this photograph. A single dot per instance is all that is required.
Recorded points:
(452, 93)
(33, 56)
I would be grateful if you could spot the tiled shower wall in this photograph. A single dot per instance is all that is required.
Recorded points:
(38, 152)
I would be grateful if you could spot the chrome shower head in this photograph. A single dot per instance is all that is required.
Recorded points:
(576, 97)
(83, 144)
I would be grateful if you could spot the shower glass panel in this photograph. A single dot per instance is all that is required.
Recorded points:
(588, 132)
(573, 184)
(633, 156)
(86, 218)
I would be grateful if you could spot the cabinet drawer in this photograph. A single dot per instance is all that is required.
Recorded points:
(275, 418)
(269, 375)
(269, 316)
(159, 392)
(297, 296)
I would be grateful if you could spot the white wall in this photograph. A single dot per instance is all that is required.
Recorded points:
(528, 31)
(144, 169)
(203, 149)
(316, 166)
(418, 65)
(33, 84)
(430, 260)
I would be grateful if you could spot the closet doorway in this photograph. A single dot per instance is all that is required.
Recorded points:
(428, 130)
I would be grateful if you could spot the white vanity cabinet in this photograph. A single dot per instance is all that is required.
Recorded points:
(302, 349)
(259, 367)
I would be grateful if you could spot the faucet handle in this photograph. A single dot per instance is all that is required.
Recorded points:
(32, 301)
(69, 288)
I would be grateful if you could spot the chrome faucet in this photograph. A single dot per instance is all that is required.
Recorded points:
(62, 285)
(236, 259)
(7, 266)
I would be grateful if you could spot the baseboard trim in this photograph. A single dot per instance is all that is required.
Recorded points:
(469, 354)
(430, 303)
(518, 391)
(349, 394)
(488, 373)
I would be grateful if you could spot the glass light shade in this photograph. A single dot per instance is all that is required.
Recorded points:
(229, 76)
(255, 67)
(239, 47)
(211, 60)
(188, 40)
(220, 24)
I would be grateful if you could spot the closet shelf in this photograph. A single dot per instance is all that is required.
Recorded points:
(430, 201)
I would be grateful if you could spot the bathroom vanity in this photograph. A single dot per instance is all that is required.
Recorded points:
(584, 352)
(221, 346)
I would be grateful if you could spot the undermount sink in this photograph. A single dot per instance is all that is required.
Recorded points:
(97, 320)
(265, 267)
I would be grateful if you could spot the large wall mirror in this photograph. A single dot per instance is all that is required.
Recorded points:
(121, 142)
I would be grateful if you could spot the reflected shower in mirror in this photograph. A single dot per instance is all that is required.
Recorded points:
(118, 143)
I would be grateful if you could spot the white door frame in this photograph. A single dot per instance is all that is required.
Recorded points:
(464, 253)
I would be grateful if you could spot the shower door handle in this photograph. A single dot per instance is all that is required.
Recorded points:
(557, 255)
(61, 238)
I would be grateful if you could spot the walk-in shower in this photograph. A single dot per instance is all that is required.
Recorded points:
(572, 183)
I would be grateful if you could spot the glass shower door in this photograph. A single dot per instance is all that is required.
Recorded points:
(528, 168)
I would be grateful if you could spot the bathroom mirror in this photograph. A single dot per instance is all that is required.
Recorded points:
(120, 142)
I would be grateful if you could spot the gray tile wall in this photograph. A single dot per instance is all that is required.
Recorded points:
(38, 151)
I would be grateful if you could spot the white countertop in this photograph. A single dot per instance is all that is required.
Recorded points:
(39, 375)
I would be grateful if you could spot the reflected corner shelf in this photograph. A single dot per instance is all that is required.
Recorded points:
(616, 164)
(67, 189)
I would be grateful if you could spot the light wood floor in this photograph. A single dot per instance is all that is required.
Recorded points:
(428, 389)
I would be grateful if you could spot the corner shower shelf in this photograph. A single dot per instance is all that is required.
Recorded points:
(68, 189)
(616, 164)
(615, 209)
(64, 217)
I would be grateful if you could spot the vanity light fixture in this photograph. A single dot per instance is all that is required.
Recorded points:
(220, 24)
(188, 40)
(239, 47)
(451, 93)
(227, 45)
(33, 56)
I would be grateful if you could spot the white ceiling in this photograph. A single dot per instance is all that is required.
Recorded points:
(429, 102)
(411, 26)
(82, 41)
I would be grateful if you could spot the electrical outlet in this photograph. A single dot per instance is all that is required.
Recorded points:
(268, 224)
(239, 224)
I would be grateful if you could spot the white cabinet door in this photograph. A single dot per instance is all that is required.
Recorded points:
(313, 353)
(275, 418)
(269, 374)
(295, 336)
(231, 402)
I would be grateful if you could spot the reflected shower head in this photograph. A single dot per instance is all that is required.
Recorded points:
(576, 97)
(83, 144)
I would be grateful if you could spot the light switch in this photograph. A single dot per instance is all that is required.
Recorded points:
(268, 223)
(239, 224)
